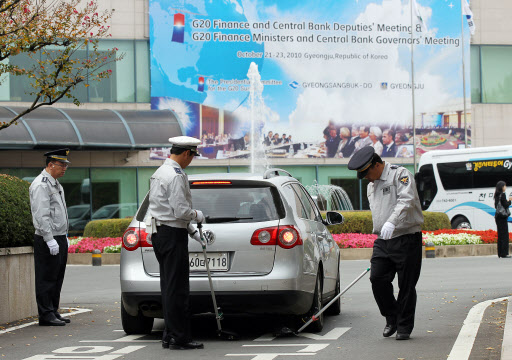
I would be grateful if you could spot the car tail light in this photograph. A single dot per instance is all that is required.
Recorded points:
(286, 236)
(134, 238)
(211, 183)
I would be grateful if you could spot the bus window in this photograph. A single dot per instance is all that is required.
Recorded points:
(426, 184)
(488, 176)
(456, 175)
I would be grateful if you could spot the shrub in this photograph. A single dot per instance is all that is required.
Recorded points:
(361, 222)
(16, 228)
(106, 228)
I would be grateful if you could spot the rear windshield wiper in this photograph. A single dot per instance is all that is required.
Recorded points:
(222, 219)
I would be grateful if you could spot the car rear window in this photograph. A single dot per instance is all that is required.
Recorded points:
(248, 204)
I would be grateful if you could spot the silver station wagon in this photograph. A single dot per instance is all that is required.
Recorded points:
(269, 251)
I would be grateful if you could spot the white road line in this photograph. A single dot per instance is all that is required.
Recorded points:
(461, 350)
(271, 356)
(334, 334)
(76, 312)
(127, 338)
(506, 348)
(309, 348)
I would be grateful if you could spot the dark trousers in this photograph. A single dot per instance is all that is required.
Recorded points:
(402, 256)
(502, 226)
(50, 270)
(171, 250)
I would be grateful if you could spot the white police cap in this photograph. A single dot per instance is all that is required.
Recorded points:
(185, 142)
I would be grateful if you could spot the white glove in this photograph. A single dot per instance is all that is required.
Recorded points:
(53, 246)
(387, 231)
(197, 237)
(68, 241)
(199, 216)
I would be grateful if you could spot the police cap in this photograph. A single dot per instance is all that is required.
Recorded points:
(361, 161)
(59, 155)
(185, 142)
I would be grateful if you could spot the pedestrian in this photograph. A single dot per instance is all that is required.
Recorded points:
(50, 218)
(170, 205)
(397, 219)
(501, 218)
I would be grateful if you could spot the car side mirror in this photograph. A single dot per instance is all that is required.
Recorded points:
(333, 218)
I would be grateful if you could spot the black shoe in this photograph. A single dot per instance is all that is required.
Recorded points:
(54, 322)
(59, 317)
(186, 346)
(506, 257)
(403, 336)
(165, 343)
(389, 330)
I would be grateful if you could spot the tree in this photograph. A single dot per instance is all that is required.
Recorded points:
(51, 33)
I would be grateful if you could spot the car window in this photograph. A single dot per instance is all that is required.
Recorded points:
(250, 204)
(306, 194)
(309, 213)
(294, 201)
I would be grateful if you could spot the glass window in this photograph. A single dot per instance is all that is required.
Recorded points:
(142, 71)
(120, 87)
(496, 74)
(19, 86)
(77, 190)
(114, 193)
(235, 204)
(456, 175)
(487, 173)
(476, 94)
(308, 212)
(293, 199)
(426, 184)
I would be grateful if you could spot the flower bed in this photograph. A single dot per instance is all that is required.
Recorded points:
(87, 245)
(438, 237)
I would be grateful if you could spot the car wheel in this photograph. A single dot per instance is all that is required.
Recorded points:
(139, 324)
(461, 223)
(317, 326)
(335, 308)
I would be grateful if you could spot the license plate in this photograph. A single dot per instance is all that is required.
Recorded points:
(216, 260)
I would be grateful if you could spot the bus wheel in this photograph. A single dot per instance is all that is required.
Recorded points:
(460, 222)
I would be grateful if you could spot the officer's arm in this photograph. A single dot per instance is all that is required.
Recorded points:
(40, 205)
(179, 203)
(405, 197)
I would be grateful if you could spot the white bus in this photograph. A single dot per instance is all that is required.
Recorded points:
(461, 183)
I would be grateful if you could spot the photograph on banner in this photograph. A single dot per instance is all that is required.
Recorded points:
(312, 80)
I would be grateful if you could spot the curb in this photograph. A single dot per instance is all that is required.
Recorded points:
(346, 254)
(506, 347)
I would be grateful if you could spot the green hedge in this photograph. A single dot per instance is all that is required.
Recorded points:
(361, 222)
(107, 228)
(16, 228)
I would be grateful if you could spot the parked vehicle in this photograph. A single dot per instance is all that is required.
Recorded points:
(115, 211)
(78, 217)
(271, 254)
(461, 183)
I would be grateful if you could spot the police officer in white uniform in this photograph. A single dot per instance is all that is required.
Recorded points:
(170, 205)
(50, 218)
(397, 218)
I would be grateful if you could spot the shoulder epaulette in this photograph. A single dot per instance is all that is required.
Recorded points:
(178, 170)
(395, 166)
(44, 179)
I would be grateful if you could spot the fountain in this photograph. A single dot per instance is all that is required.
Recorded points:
(330, 197)
(257, 154)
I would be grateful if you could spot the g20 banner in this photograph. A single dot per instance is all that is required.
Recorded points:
(333, 76)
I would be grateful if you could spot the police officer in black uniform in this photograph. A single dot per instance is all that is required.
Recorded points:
(170, 209)
(397, 218)
(50, 218)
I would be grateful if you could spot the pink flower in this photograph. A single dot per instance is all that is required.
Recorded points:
(88, 245)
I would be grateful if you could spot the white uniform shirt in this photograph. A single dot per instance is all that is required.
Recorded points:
(170, 200)
(394, 198)
(49, 212)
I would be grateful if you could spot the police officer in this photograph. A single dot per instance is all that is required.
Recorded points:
(50, 218)
(170, 205)
(397, 219)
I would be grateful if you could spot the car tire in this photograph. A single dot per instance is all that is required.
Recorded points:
(139, 324)
(318, 325)
(335, 308)
(460, 222)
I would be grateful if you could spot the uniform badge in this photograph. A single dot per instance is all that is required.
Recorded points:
(404, 180)
(45, 179)
(178, 170)
(386, 190)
